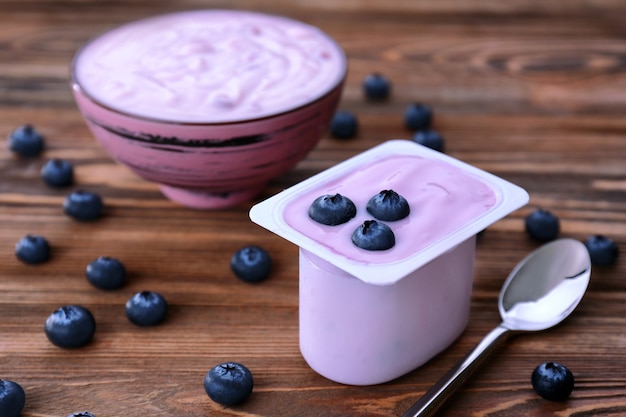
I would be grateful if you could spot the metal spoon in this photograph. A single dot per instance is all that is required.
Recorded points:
(540, 292)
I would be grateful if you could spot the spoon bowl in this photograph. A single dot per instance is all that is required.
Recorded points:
(546, 286)
(539, 293)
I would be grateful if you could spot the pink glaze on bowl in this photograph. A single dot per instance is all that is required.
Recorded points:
(209, 104)
(367, 317)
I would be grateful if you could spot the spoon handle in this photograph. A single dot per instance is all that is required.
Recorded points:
(453, 379)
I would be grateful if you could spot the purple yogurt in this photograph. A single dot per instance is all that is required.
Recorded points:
(367, 317)
(209, 104)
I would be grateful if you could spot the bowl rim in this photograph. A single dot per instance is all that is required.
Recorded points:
(78, 88)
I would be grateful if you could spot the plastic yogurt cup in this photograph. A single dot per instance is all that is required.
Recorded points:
(367, 317)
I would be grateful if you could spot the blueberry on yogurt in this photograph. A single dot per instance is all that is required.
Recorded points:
(373, 235)
(388, 206)
(332, 209)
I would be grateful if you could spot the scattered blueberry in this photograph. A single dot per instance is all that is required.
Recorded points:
(83, 205)
(344, 125)
(332, 209)
(229, 383)
(70, 326)
(26, 141)
(58, 173)
(542, 225)
(81, 414)
(32, 249)
(552, 381)
(146, 308)
(388, 206)
(418, 116)
(430, 138)
(251, 264)
(12, 398)
(373, 235)
(376, 86)
(602, 250)
(106, 273)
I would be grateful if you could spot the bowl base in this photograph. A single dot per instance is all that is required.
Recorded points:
(207, 200)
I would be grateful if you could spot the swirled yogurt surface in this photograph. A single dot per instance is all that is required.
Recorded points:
(209, 66)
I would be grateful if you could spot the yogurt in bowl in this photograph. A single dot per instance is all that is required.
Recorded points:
(370, 316)
(210, 104)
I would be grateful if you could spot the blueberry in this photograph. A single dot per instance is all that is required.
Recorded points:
(81, 414)
(542, 225)
(388, 206)
(83, 205)
(146, 308)
(373, 235)
(418, 116)
(430, 138)
(106, 273)
(229, 383)
(32, 249)
(57, 173)
(12, 398)
(602, 250)
(70, 326)
(376, 86)
(26, 141)
(332, 209)
(552, 381)
(251, 264)
(344, 125)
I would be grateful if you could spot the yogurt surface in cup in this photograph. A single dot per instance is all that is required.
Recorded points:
(441, 196)
(450, 202)
(209, 66)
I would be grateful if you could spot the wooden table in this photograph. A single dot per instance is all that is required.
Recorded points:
(531, 90)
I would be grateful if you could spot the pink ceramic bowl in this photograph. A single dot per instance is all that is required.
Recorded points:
(210, 116)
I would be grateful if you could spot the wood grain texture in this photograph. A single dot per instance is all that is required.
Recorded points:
(533, 91)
